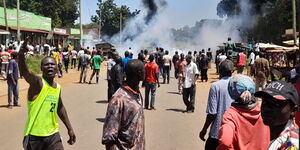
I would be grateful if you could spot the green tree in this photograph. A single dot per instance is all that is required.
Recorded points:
(62, 12)
(108, 15)
(270, 27)
(233, 7)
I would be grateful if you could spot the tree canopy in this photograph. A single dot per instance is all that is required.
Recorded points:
(108, 15)
(273, 17)
(62, 12)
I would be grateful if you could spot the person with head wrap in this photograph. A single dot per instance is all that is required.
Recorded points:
(242, 125)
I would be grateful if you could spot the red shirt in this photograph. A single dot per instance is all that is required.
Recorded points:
(151, 70)
(242, 60)
(243, 129)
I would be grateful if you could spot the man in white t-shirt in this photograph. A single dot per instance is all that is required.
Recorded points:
(80, 54)
(189, 84)
(74, 57)
(251, 63)
(167, 67)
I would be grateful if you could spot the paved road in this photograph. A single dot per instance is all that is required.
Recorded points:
(167, 128)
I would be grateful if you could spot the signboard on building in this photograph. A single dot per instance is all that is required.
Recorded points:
(74, 31)
(60, 31)
(27, 19)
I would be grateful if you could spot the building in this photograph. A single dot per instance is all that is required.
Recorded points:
(31, 25)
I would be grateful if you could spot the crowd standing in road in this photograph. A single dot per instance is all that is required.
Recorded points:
(235, 118)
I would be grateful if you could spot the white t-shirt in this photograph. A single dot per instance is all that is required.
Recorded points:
(74, 54)
(252, 58)
(257, 47)
(80, 53)
(167, 59)
(190, 72)
(222, 58)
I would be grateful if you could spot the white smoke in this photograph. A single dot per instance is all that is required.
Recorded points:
(157, 33)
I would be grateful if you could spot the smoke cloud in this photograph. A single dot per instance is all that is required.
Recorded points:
(151, 29)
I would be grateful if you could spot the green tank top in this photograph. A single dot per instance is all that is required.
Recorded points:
(42, 112)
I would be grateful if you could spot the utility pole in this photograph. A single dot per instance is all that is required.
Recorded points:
(120, 27)
(80, 15)
(294, 22)
(5, 15)
(18, 21)
(100, 19)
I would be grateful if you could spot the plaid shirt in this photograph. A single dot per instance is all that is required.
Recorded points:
(288, 139)
(124, 124)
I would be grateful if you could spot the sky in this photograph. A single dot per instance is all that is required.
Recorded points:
(182, 12)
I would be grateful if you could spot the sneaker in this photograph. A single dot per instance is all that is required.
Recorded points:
(90, 82)
(9, 106)
(152, 108)
(17, 105)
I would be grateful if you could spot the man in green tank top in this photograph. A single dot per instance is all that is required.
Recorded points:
(44, 104)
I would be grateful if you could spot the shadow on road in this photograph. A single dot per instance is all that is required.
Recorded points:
(100, 119)
(174, 93)
(175, 110)
(102, 102)
(3, 106)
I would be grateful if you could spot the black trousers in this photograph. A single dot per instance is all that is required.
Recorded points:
(176, 73)
(52, 142)
(211, 144)
(95, 71)
(204, 74)
(188, 96)
(110, 90)
(66, 64)
(73, 63)
(166, 73)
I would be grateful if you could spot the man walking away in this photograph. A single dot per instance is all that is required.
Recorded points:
(66, 59)
(280, 102)
(181, 64)
(251, 64)
(74, 57)
(152, 75)
(174, 60)
(141, 56)
(96, 61)
(110, 63)
(124, 122)
(4, 62)
(204, 61)
(80, 54)
(261, 72)
(241, 62)
(189, 84)
(219, 101)
(167, 67)
(85, 61)
(116, 75)
(12, 80)
(125, 60)
(160, 61)
(44, 105)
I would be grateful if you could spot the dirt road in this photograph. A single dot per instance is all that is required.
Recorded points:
(167, 128)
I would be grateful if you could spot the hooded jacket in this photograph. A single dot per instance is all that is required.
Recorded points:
(243, 129)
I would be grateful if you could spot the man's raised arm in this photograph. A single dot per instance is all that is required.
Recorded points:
(30, 77)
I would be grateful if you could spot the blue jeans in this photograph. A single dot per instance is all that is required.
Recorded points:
(150, 86)
(160, 69)
(13, 89)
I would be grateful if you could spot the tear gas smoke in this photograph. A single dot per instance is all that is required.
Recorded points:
(151, 29)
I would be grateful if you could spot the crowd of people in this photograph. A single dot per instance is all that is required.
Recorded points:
(243, 111)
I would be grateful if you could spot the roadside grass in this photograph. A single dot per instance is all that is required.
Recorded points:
(34, 63)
